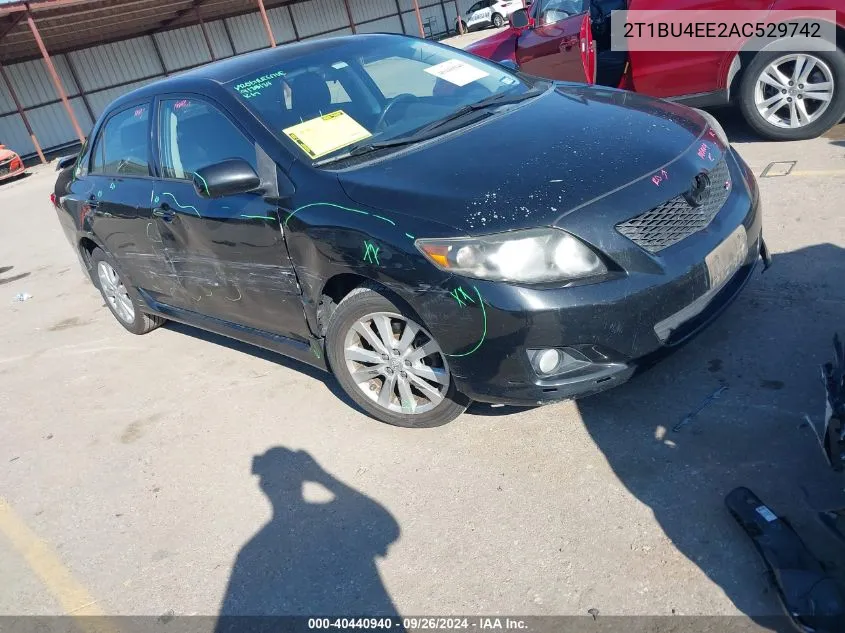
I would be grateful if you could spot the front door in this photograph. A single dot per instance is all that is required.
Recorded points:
(559, 45)
(228, 253)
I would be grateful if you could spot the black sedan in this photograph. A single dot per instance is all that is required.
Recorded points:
(431, 227)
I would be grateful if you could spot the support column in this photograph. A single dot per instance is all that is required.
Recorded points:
(419, 18)
(399, 13)
(22, 113)
(205, 34)
(264, 19)
(229, 36)
(460, 21)
(159, 56)
(349, 15)
(57, 82)
(82, 94)
(445, 19)
(293, 22)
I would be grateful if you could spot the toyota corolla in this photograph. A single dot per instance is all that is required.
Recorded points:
(432, 228)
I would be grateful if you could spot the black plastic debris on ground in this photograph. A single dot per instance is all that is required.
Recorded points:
(810, 596)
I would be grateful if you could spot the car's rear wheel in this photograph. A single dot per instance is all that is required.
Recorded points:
(498, 20)
(793, 96)
(115, 291)
(462, 26)
(388, 363)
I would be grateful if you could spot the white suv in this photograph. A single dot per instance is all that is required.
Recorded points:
(488, 12)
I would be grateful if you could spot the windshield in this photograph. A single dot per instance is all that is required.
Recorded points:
(369, 90)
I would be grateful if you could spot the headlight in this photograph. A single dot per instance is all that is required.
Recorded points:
(531, 256)
(717, 127)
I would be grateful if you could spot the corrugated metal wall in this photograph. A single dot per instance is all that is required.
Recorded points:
(108, 71)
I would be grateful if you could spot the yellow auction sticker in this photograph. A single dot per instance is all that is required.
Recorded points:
(327, 133)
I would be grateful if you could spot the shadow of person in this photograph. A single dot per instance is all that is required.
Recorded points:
(317, 554)
(766, 349)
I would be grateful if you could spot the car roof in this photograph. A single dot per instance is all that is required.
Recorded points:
(226, 70)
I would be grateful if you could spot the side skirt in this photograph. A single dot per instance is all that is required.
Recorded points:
(311, 352)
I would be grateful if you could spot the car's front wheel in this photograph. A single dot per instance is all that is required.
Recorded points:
(115, 291)
(498, 20)
(793, 96)
(388, 363)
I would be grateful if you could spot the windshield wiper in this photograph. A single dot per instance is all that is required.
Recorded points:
(504, 98)
(427, 131)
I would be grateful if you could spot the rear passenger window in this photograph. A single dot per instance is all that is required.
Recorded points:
(194, 134)
(122, 148)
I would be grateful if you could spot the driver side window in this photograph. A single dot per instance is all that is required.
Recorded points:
(122, 148)
(552, 11)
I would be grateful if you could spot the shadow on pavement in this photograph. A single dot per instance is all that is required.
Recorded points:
(317, 555)
(767, 350)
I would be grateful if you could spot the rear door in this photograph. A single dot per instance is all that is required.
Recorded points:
(559, 45)
(114, 196)
(228, 253)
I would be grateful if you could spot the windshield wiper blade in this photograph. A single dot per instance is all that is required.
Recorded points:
(425, 132)
(366, 148)
(493, 100)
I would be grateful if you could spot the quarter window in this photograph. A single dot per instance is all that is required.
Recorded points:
(194, 134)
(122, 148)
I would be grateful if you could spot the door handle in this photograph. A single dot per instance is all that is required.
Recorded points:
(164, 212)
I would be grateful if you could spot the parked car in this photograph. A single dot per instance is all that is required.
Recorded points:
(487, 13)
(11, 164)
(324, 199)
(569, 40)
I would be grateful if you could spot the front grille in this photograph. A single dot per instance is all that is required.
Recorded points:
(677, 219)
(4, 169)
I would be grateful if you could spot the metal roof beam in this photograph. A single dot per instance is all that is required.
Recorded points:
(10, 24)
(65, 25)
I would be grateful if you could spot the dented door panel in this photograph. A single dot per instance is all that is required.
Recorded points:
(228, 258)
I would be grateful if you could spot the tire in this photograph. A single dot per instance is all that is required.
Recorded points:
(390, 389)
(498, 21)
(752, 91)
(462, 26)
(116, 294)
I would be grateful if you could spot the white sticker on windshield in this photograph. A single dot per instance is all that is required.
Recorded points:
(340, 65)
(456, 72)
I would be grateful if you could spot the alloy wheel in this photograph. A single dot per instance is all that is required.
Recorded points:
(794, 90)
(115, 292)
(396, 363)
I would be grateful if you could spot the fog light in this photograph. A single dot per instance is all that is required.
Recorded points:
(547, 360)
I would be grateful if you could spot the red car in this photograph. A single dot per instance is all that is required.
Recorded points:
(11, 164)
(570, 40)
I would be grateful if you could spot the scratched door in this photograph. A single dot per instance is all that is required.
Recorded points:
(228, 253)
(113, 192)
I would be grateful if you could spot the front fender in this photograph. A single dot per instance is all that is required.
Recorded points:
(329, 239)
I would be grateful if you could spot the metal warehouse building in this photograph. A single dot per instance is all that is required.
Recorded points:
(63, 61)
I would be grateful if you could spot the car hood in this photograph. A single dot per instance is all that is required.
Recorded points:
(533, 164)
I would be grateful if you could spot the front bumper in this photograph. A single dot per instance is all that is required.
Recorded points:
(620, 325)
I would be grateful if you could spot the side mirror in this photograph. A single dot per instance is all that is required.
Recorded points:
(66, 161)
(519, 19)
(227, 178)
